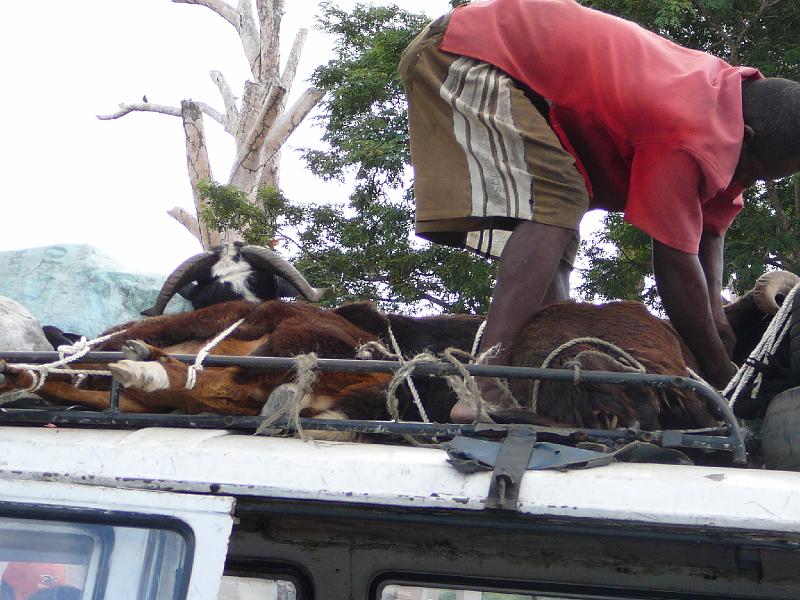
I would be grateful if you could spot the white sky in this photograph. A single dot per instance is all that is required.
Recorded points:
(68, 177)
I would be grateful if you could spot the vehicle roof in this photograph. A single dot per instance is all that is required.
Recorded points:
(246, 466)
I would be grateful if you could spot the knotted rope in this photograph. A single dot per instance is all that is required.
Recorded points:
(191, 372)
(402, 374)
(463, 385)
(770, 341)
(625, 362)
(306, 369)
(68, 353)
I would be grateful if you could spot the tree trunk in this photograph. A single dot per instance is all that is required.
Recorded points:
(260, 126)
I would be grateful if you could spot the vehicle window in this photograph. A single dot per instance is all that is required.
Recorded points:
(408, 592)
(59, 560)
(403, 592)
(254, 588)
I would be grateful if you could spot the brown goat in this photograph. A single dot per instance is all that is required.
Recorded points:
(156, 382)
(628, 326)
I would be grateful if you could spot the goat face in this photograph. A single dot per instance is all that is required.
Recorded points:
(234, 272)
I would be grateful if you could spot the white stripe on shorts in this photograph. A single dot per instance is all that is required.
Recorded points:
(480, 96)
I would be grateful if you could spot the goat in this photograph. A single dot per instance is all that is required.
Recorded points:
(154, 381)
(234, 272)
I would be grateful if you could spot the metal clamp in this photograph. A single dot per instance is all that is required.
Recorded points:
(510, 468)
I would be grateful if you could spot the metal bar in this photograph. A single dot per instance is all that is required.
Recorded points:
(248, 424)
(113, 399)
(709, 395)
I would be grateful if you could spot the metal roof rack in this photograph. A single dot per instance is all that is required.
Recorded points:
(727, 438)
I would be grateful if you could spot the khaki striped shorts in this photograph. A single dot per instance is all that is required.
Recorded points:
(484, 155)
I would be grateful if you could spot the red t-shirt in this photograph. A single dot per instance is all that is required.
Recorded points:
(656, 129)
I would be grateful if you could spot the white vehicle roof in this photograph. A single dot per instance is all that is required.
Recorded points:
(219, 462)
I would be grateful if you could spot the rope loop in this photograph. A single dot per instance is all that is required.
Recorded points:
(624, 361)
(194, 369)
(67, 353)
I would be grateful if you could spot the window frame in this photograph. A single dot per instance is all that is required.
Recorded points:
(65, 514)
(275, 570)
(530, 588)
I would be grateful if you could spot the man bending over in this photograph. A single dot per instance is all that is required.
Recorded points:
(524, 114)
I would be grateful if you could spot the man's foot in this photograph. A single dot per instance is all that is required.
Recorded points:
(493, 398)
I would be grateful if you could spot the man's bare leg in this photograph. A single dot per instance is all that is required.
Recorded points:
(531, 275)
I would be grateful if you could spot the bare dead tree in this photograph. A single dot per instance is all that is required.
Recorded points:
(260, 124)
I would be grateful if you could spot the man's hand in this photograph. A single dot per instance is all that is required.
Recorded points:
(726, 335)
(682, 283)
(711, 260)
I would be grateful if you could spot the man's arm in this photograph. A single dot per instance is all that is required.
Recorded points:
(682, 284)
(710, 255)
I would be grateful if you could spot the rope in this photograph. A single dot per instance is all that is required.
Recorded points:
(628, 362)
(411, 386)
(191, 372)
(67, 353)
(770, 341)
(306, 365)
(478, 337)
(403, 374)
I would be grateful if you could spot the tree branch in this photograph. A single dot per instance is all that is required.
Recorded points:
(253, 141)
(775, 203)
(270, 13)
(436, 301)
(198, 166)
(124, 109)
(223, 9)
(718, 27)
(231, 112)
(796, 198)
(287, 123)
(185, 219)
(250, 37)
(242, 20)
(765, 6)
(290, 70)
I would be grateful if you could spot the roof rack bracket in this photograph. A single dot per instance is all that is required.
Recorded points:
(512, 462)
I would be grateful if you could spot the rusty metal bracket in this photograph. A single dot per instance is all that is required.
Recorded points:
(512, 463)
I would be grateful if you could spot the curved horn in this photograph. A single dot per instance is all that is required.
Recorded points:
(269, 260)
(771, 285)
(185, 272)
(286, 289)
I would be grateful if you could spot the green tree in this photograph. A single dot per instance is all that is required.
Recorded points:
(761, 33)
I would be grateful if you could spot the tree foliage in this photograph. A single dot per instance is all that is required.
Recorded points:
(761, 33)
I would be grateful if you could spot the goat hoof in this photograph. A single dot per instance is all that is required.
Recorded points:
(145, 376)
(136, 350)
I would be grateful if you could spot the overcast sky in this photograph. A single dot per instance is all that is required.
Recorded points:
(69, 178)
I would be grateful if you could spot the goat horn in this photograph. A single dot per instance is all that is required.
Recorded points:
(268, 260)
(187, 271)
(286, 289)
(771, 285)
